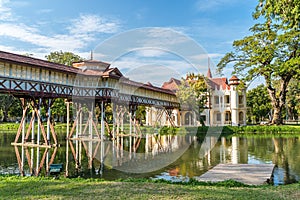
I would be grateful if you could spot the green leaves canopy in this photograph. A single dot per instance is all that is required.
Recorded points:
(65, 58)
(192, 92)
(272, 51)
(259, 103)
(286, 11)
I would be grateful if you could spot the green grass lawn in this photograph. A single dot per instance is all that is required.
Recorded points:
(45, 188)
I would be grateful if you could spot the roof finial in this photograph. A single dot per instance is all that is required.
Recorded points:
(91, 54)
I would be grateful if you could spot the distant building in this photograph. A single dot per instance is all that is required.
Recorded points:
(227, 102)
(226, 105)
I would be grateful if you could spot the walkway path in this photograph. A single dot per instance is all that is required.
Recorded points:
(251, 174)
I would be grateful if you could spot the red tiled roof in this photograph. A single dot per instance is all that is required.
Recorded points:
(92, 63)
(217, 83)
(234, 78)
(172, 84)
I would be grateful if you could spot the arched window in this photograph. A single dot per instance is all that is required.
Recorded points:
(227, 116)
(188, 118)
(241, 117)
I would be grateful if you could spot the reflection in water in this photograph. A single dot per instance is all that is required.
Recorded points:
(173, 157)
(134, 154)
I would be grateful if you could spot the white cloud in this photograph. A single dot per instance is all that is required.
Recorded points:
(31, 35)
(149, 52)
(83, 31)
(93, 24)
(5, 12)
(211, 5)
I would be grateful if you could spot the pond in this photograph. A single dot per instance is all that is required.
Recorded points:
(169, 157)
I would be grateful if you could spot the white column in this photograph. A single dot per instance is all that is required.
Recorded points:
(38, 136)
(48, 133)
(147, 116)
(175, 113)
(234, 105)
(67, 142)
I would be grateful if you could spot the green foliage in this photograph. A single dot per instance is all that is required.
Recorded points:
(59, 109)
(274, 130)
(9, 126)
(293, 100)
(284, 11)
(10, 107)
(259, 104)
(192, 93)
(65, 58)
(165, 130)
(272, 51)
(284, 130)
(141, 114)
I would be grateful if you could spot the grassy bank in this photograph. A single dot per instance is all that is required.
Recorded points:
(45, 188)
(282, 130)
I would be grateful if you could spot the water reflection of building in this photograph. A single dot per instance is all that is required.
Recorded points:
(239, 150)
(233, 150)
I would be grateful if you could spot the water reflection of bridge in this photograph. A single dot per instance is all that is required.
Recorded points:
(133, 153)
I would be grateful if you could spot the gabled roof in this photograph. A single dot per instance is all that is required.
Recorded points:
(148, 83)
(92, 64)
(218, 83)
(85, 68)
(234, 78)
(112, 72)
(172, 84)
(26, 60)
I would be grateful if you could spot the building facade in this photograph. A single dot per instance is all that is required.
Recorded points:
(226, 105)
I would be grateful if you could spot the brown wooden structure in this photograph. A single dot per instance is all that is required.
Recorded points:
(87, 84)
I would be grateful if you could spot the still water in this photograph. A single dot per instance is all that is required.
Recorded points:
(169, 157)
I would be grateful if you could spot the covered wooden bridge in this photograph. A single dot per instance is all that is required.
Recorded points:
(87, 84)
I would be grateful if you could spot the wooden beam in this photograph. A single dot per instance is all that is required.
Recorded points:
(29, 144)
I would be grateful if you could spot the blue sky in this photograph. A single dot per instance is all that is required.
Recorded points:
(39, 27)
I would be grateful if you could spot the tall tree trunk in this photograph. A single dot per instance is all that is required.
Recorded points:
(278, 100)
(5, 115)
(277, 119)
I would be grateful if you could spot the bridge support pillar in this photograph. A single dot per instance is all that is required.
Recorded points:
(160, 116)
(85, 132)
(82, 132)
(42, 145)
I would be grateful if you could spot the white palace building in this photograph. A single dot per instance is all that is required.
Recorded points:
(226, 105)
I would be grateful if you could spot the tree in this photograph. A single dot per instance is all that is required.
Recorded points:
(65, 58)
(10, 106)
(286, 11)
(293, 100)
(259, 102)
(59, 110)
(272, 51)
(192, 93)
